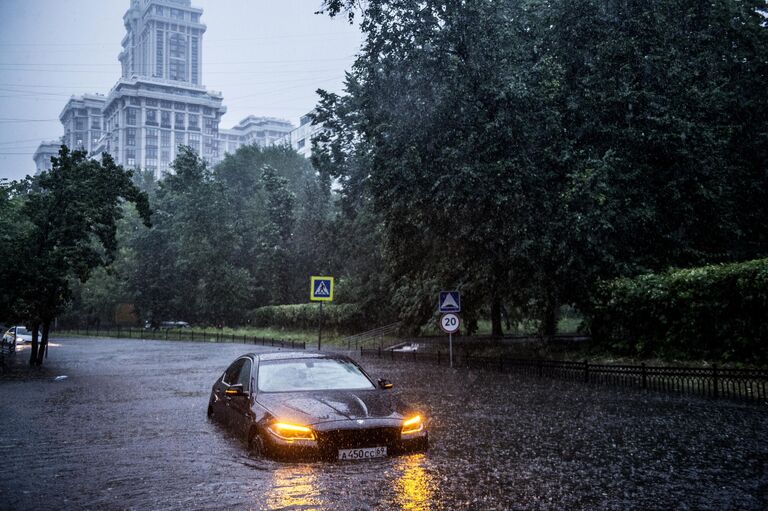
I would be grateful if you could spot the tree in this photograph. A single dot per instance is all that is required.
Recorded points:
(556, 143)
(72, 211)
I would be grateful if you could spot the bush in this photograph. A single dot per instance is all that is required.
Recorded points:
(343, 317)
(711, 312)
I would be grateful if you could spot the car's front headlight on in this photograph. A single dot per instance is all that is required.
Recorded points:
(412, 425)
(291, 432)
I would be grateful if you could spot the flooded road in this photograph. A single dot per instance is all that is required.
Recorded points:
(127, 430)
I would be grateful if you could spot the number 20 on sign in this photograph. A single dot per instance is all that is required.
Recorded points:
(450, 323)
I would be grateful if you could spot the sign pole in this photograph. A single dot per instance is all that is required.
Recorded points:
(320, 328)
(450, 349)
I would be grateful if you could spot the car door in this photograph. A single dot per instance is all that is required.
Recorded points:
(221, 399)
(240, 406)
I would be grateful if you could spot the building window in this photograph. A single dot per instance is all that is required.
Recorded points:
(165, 138)
(195, 17)
(177, 70)
(194, 142)
(178, 46)
(152, 137)
(151, 117)
(159, 52)
(180, 138)
(150, 102)
(95, 123)
(130, 116)
(194, 122)
(79, 124)
(210, 126)
(194, 108)
(195, 61)
(177, 14)
(160, 10)
(165, 119)
(130, 157)
(179, 121)
(130, 137)
(179, 106)
(135, 101)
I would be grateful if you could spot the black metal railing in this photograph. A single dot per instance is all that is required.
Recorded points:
(712, 381)
(181, 334)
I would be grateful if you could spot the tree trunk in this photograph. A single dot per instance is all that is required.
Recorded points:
(551, 313)
(42, 352)
(34, 350)
(496, 317)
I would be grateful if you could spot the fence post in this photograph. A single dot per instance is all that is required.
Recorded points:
(714, 380)
(586, 371)
(644, 371)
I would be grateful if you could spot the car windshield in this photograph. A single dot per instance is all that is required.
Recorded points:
(20, 330)
(311, 374)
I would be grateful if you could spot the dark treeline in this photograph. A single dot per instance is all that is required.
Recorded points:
(524, 150)
(226, 241)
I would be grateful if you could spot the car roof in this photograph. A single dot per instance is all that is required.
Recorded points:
(288, 355)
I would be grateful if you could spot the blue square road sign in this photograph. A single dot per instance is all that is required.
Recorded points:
(450, 301)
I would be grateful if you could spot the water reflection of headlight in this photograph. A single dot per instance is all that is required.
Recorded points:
(416, 486)
(294, 488)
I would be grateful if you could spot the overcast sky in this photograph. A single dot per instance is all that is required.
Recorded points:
(266, 56)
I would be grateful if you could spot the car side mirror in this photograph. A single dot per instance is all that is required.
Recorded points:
(236, 390)
(385, 384)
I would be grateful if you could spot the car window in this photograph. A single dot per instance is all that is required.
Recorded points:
(244, 377)
(311, 374)
(22, 331)
(232, 374)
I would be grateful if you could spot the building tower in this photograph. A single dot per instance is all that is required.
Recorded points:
(159, 103)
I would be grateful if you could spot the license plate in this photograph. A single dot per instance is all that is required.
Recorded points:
(362, 453)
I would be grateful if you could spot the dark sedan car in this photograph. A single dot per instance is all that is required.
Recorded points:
(313, 404)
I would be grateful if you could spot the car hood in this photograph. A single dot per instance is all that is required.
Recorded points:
(316, 407)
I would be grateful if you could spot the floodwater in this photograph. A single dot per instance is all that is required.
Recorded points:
(127, 430)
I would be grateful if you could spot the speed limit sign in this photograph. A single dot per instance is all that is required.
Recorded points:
(450, 323)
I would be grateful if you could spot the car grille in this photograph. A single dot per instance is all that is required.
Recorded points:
(330, 441)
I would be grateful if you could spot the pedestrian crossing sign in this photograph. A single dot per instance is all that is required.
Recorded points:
(321, 289)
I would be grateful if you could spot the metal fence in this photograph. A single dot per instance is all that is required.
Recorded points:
(713, 381)
(182, 334)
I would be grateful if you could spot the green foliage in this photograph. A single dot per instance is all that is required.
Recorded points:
(710, 312)
(522, 151)
(342, 317)
(70, 216)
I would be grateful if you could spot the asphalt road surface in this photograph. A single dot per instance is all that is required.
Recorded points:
(126, 429)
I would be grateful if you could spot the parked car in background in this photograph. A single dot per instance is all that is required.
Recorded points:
(17, 335)
(287, 403)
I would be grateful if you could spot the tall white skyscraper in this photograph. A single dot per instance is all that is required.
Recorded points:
(159, 104)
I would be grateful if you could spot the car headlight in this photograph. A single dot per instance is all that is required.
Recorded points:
(291, 432)
(413, 425)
